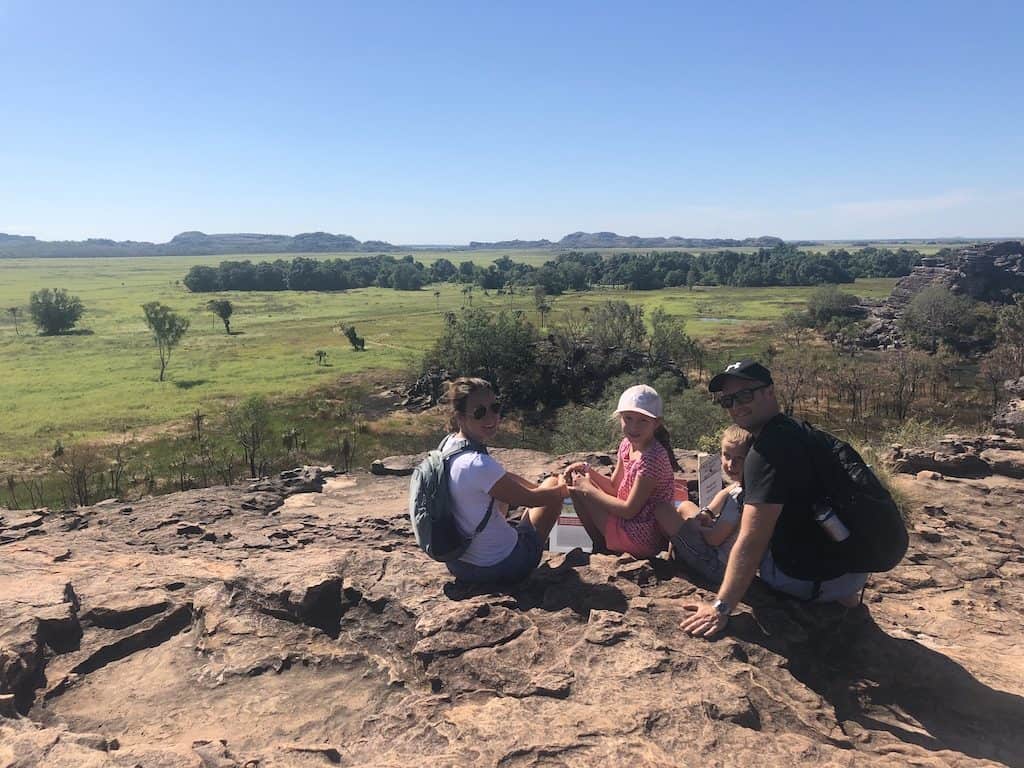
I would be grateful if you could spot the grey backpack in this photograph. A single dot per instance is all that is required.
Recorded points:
(431, 510)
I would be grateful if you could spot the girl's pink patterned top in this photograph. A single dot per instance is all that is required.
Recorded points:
(653, 463)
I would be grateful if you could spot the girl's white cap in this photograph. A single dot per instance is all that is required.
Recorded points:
(641, 399)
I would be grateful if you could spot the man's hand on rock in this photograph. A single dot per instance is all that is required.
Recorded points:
(706, 620)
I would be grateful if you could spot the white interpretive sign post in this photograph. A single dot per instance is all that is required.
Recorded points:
(569, 532)
(709, 477)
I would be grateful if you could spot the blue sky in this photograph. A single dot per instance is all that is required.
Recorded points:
(449, 122)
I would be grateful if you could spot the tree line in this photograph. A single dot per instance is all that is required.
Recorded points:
(576, 270)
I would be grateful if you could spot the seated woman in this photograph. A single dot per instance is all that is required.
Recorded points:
(500, 553)
(703, 539)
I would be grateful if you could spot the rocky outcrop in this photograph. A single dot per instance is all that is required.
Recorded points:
(959, 456)
(987, 272)
(266, 627)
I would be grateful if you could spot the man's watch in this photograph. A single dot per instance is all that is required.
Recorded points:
(722, 608)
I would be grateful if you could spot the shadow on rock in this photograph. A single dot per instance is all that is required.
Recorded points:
(552, 587)
(889, 684)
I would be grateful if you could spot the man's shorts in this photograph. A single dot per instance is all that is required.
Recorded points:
(519, 563)
(827, 591)
(690, 548)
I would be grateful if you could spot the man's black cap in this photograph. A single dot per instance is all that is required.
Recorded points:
(751, 370)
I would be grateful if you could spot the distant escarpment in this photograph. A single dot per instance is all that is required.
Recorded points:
(187, 244)
(202, 244)
(991, 272)
(612, 240)
(578, 240)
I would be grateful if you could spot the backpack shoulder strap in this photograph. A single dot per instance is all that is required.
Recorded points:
(451, 447)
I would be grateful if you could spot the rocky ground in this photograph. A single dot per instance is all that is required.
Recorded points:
(279, 626)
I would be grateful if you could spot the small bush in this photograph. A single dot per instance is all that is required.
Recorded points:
(917, 433)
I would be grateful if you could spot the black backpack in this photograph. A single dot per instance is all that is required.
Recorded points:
(430, 504)
(878, 535)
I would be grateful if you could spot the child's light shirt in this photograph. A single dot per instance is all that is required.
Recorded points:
(730, 515)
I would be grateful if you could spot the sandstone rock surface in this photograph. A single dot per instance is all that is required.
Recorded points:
(264, 627)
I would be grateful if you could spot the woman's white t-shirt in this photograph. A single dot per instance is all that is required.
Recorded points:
(471, 477)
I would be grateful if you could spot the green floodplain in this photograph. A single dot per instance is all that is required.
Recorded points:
(100, 381)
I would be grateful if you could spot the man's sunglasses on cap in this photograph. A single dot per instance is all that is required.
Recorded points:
(740, 397)
(481, 410)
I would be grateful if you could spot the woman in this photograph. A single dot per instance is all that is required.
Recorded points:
(500, 553)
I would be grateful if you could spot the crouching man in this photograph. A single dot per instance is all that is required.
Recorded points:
(779, 534)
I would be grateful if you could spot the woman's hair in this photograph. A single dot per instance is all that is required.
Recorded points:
(662, 436)
(738, 436)
(458, 394)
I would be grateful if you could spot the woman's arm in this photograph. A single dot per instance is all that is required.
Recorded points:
(520, 492)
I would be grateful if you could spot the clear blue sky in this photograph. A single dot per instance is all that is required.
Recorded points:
(434, 122)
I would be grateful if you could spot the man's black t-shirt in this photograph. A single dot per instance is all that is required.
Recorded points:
(779, 470)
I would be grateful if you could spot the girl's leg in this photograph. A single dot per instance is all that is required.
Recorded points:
(670, 519)
(594, 520)
(543, 519)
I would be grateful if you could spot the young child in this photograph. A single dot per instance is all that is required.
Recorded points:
(703, 538)
(618, 513)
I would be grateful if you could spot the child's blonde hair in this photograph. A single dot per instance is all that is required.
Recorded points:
(738, 436)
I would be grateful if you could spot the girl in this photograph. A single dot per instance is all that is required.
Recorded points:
(500, 553)
(703, 538)
(618, 513)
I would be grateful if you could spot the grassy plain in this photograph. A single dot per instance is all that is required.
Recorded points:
(101, 382)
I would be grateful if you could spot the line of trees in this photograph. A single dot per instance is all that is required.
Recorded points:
(576, 270)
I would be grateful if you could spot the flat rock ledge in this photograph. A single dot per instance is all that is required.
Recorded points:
(295, 623)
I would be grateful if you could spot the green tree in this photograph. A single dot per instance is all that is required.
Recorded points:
(499, 347)
(617, 325)
(54, 311)
(167, 328)
(1010, 328)
(543, 310)
(249, 422)
(1000, 365)
(407, 277)
(933, 316)
(828, 302)
(15, 312)
(358, 342)
(223, 309)
(669, 341)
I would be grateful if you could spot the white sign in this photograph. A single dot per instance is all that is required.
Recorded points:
(569, 532)
(709, 477)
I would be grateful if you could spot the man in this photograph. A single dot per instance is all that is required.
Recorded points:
(777, 529)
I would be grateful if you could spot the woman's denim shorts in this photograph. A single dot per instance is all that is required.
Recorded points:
(519, 564)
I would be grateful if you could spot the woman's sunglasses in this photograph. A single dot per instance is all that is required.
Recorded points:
(481, 410)
(741, 397)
